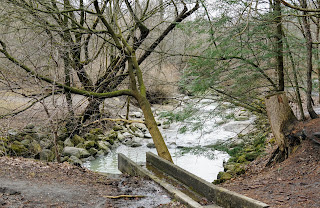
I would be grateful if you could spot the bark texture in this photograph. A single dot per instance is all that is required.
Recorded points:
(282, 121)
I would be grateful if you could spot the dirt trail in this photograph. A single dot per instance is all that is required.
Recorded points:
(29, 183)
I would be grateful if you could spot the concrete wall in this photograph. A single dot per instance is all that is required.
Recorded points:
(218, 195)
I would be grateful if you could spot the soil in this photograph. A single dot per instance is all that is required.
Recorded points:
(30, 183)
(293, 183)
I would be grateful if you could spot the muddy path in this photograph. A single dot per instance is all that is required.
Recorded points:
(30, 183)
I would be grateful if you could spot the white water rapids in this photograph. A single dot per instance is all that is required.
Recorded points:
(188, 149)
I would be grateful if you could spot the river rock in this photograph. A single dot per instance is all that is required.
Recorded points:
(76, 139)
(117, 128)
(140, 126)
(47, 155)
(25, 142)
(74, 151)
(89, 136)
(35, 147)
(75, 161)
(105, 146)
(96, 131)
(89, 144)
(165, 126)
(136, 114)
(147, 136)
(135, 144)
(120, 137)
(93, 151)
(151, 145)
(68, 143)
(18, 149)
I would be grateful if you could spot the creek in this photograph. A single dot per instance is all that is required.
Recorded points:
(190, 150)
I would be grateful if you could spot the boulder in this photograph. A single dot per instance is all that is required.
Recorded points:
(93, 151)
(76, 139)
(75, 161)
(25, 142)
(104, 146)
(18, 149)
(151, 145)
(121, 137)
(74, 151)
(47, 155)
(35, 147)
(89, 144)
(68, 143)
(89, 136)
(96, 131)
(147, 136)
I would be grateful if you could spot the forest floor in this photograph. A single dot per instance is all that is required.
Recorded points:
(30, 183)
(293, 183)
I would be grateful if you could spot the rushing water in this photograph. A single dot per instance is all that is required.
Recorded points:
(188, 149)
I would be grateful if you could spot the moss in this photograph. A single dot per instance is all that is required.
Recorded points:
(76, 139)
(18, 149)
(96, 131)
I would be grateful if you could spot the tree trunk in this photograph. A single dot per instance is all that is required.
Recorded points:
(279, 45)
(282, 121)
(152, 126)
(307, 29)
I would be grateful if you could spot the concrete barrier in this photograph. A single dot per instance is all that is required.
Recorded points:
(125, 165)
(218, 195)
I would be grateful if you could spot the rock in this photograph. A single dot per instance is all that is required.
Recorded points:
(165, 126)
(138, 134)
(96, 131)
(64, 159)
(135, 144)
(127, 135)
(76, 139)
(29, 126)
(136, 114)
(75, 161)
(133, 129)
(25, 142)
(35, 147)
(147, 136)
(13, 132)
(121, 137)
(100, 153)
(47, 155)
(140, 126)
(45, 144)
(18, 149)
(88, 159)
(224, 176)
(117, 128)
(242, 118)
(89, 144)
(81, 145)
(3, 151)
(104, 146)
(151, 145)
(68, 143)
(93, 151)
(89, 136)
(74, 151)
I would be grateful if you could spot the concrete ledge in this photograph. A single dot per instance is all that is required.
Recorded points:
(218, 195)
(126, 165)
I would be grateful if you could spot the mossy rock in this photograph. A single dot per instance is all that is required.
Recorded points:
(93, 151)
(90, 136)
(18, 149)
(75, 161)
(89, 144)
(47, 155)
(26, 142)
(133, 128)
(4, 142)
(76, 139)
(117, 128)
(81, 145)
(3, 151)
(96, 131)
(224, 176)
(35, 147)
(68, 143)
(241, 159)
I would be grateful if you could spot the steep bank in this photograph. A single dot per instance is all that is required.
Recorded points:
(292, 183)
